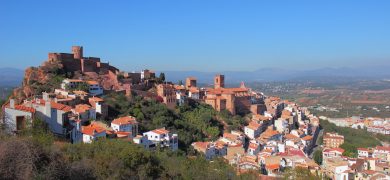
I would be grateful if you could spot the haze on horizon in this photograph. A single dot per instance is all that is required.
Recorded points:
(199, 35)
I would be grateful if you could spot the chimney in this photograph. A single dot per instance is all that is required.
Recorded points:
(48, 109)
(45, 96)
(12, 103)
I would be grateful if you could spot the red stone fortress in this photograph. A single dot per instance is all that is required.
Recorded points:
(75, 61)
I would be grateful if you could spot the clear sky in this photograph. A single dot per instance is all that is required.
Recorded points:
(204, 35)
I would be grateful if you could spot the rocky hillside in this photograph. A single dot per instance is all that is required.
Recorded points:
(38, 79)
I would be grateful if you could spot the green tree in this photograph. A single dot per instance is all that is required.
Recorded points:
(180, 82)
(162, 77)
(317, 156)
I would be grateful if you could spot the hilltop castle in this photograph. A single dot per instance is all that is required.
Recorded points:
(75, 61)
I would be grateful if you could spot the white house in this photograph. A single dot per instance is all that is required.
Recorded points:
(253, 130)
(143, 141)
(94, 88)
(71, 83)
(99, 106)
(364, 153)
(211, 149)
(281, 125)
(93, 132)
(332, 152)
(17, 117)
(85, 112)
(56, 115)
(194, 93)
(340, 172)
(163, 138)
(253, 148)
(125, 124)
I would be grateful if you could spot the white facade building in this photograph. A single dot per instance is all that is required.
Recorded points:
(125, 124)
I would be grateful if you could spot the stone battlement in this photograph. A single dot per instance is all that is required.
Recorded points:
(75, 61)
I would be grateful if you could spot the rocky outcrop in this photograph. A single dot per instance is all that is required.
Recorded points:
(35, 77)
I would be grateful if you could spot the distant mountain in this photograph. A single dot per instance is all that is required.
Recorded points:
(11, 77)
(278, 74)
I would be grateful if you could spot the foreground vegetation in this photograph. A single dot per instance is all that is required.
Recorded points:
(353, 138)
(36, 154)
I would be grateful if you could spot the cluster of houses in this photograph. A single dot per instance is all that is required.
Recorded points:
(281, 137)
(370, 163)
(240, 100)
(371, 124)
(72, 114)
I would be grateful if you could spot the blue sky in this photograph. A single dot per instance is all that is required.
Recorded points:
(204, 35)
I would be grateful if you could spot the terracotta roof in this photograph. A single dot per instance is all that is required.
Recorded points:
(220, 144)
(201, 146)
(96, 99)
(259, 117)
(122, 134)
(362, 149)
(290, 136)
(253, 125)
(92, 129)
(267, 150)
(61, 107)
(160, 131)
(22, 108)
(272, 166)
(371, 172)
(194, 90)
(293, 152)
(253, 146)
(74, 80)
(177, 87)
(334, 149)
(383, 148)
(81, 108)
(80, 92)
(307, 138)
(125, 120)
(92, 83)
(53, 105)
(230, 136)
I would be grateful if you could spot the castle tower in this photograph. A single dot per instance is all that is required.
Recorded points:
(190, 82)
(219, 81)
(77, 52)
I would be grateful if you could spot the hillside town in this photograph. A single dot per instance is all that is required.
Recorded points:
(278, 134)
(371, 124)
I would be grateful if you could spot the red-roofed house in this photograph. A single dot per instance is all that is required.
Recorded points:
(254, 148)
(332, 152)
(253, 130)
(125, 124)
(382, 152)
(100, 107)
(16, 117)
(364, 152)
(85, 112)
(56, 115)
(211, 149)
(92, 132)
